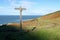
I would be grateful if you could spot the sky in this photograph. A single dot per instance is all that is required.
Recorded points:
(33, 7)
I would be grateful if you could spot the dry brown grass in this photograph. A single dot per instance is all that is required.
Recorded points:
(50, 20)
(52, 15)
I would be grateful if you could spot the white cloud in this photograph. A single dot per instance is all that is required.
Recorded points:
(32, 7)
(13, 3)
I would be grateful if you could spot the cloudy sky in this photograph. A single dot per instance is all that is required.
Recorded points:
(33, 7)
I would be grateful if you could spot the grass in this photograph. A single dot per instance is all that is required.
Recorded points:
(47, 29)
(40, 33)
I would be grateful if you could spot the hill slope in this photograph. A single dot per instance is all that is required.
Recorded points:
(44, 28)
(52, 15)
(44, 20)
(47, 20)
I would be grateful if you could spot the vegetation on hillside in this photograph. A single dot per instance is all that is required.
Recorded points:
(44, 28)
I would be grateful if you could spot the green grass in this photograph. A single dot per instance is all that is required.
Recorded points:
(40, 34)
(45, 30)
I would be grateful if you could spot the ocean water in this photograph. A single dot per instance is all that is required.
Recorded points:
(4, 19)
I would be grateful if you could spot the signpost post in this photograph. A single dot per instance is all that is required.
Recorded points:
(20, 9)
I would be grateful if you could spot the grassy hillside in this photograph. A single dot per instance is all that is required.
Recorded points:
(51, 15)
(46, 27)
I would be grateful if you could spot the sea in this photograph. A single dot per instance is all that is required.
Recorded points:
(4, 19)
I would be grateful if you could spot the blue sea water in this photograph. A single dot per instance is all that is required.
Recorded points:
(14, 18)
